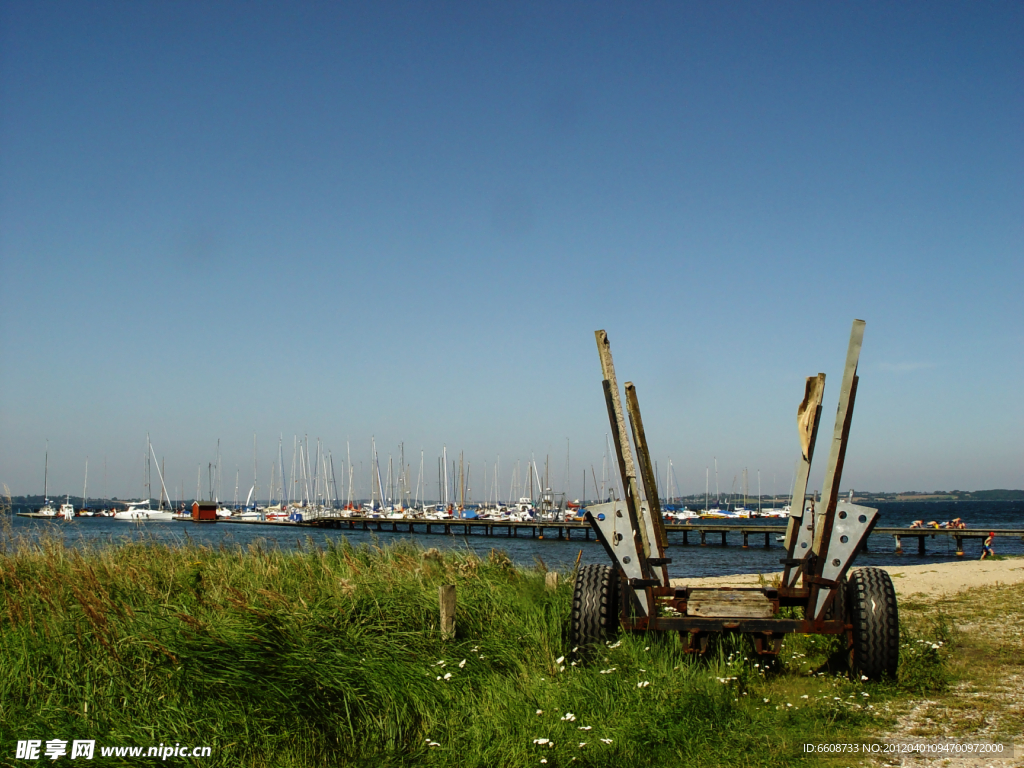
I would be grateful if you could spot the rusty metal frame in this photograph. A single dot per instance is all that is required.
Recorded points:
(808, 534)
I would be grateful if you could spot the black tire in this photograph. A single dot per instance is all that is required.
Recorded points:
(872, 609)
(838, 609)
(595, 606)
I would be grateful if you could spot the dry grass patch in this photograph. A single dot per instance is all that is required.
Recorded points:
(985, 660)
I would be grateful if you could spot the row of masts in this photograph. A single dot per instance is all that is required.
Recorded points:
(314, 481)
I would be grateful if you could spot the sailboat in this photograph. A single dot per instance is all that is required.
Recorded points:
(85, 511)
(141, 511)
(47, 509)
(717, 512)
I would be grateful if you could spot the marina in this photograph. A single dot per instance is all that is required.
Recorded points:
(530, 541)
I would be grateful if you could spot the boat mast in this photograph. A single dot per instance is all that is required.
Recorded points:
(255, 481)
(280, 462)
(85, 485)
(295, 453)
(334, 483)
(419, 483)
(46, 470)
(375, 470)
(163, 487)
(316, 476)
(567, 469)
(348, 449)
(444, 461)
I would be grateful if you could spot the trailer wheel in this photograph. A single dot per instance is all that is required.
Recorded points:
(872, 609)
(595, 605)
(838, 609)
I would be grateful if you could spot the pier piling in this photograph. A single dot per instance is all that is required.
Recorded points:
(446, 599)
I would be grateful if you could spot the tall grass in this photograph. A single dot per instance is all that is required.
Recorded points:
(333, 655)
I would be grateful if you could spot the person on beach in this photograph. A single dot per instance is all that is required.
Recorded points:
(986, 548)
(917, 524)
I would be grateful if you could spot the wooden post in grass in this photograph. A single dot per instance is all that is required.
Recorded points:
(446, 597)
(551, 581)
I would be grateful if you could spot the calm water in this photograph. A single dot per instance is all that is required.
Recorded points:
(711, 560)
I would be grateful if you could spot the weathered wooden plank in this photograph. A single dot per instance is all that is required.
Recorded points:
(717, 603)
(446, 598)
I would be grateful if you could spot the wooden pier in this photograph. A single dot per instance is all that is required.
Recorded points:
(678, 534)
(957, 534)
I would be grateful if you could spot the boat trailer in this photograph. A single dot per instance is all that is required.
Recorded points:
(822, 539)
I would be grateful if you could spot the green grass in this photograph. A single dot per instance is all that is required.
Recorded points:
(331, 654)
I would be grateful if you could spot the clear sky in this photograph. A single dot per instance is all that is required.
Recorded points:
(405, 221)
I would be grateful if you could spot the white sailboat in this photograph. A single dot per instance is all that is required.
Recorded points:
(142, 511)
(47, 510)
(85, 511)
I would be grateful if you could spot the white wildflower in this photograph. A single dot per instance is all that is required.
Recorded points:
(462, 664)
(541, 742)
(644, 684)
(607, 741)
(448, 676)
(560, 659)
(540, 711)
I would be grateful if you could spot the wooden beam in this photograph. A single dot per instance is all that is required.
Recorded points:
(446, 599)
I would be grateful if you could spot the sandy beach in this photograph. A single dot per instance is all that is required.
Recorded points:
(934, 579)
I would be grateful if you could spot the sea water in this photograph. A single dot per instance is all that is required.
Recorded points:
(687, 561)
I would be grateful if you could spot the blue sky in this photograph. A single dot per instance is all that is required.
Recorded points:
(405, 221)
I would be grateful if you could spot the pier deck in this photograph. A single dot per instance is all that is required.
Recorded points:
(678, 534)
